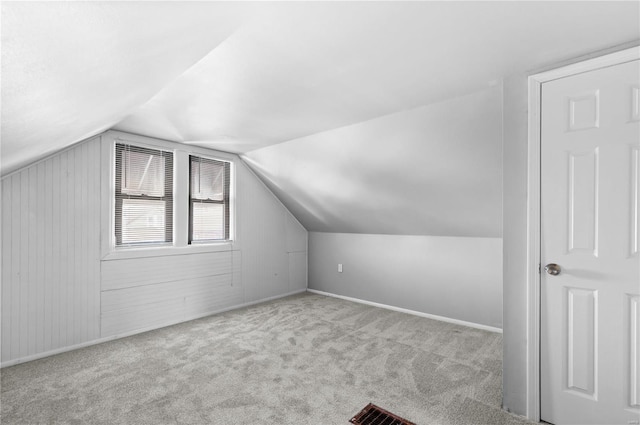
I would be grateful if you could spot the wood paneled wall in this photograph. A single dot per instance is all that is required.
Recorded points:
(51, 253)
(58, 294)
(145, 293)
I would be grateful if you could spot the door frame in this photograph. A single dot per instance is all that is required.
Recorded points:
(533, 307)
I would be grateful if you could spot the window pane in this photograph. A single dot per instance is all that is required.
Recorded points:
(143, 221)
(142, 173)
(207, 179)
(209, 195)
(208, 221)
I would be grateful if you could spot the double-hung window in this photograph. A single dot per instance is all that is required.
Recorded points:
(209, 216)
(143, 196)
(166, 198)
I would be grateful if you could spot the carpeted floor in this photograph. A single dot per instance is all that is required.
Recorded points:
(306, 359)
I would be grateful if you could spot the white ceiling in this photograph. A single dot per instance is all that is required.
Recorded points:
(241, 76)
(432, 170)
(367, 117)
(73, 69)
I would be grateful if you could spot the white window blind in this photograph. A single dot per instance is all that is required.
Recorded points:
(208, 199)
(144, 196)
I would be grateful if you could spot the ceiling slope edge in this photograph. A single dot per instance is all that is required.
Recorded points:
(62, 91)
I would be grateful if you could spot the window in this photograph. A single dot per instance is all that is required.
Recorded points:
(208, 199)
(143, 196)
(165, 198)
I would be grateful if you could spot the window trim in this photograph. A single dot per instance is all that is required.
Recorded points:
(225, 202)
(180, 244)
(167, 197)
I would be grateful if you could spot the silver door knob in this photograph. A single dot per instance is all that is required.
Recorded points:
(553, 269)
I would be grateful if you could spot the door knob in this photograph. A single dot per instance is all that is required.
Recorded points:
(553, 269)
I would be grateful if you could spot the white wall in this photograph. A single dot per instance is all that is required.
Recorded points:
(58, 292)
(515, 244)
(454, 277)
(515, 188)
(434, 171)
(51, 253)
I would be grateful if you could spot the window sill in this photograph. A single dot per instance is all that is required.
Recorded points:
(163, 251)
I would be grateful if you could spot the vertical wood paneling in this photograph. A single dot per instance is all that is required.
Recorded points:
(267, 233)
(32, 263)
(51, 267)
(39, 214)
(236, 269)
(6, 266)
(50, 253)
(96, 214)
(16, 249)
(81, 281)
(54, 282)
(47, 247)
(24, 266)
(72, 246)
(297, 270)
(297, 236)
(76, 314)
(64, 245)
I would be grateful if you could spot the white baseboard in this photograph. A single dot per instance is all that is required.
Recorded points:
(138, 331)
(44, 354)
(407, 311)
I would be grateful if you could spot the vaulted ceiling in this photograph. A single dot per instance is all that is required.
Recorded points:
(245, 76)
(432, 170)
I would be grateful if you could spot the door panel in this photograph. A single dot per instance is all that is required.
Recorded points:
(632, 364)
(582, 340)
(635, 201)
(590, 222)
(583, 202)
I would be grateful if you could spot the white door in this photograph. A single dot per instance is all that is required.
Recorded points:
(590, 221)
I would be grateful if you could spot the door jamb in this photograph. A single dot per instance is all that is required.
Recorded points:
(533, 211)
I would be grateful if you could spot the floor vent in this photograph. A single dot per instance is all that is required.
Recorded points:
(374, 415)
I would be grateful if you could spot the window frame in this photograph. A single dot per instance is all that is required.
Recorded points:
(225, 201)
(167, 197)
(180, 244)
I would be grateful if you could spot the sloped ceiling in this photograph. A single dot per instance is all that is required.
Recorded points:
(432, 170)
(73, 69)
(295, 69)
(242, 76)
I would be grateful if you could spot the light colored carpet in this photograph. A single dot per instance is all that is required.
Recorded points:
(306, 359)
